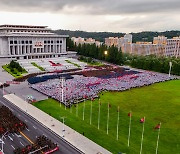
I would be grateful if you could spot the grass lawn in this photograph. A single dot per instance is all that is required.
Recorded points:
(36, 65)
(17, 74)
(93, 63)
(158, 103)
(68, 61)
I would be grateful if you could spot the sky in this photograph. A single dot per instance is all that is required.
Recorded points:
(94, 15)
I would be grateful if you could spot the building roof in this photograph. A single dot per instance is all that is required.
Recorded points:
(22, 26)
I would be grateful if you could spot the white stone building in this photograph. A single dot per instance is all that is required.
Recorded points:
(30, 42)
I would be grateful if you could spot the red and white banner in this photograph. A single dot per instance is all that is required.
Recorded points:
(12, 82)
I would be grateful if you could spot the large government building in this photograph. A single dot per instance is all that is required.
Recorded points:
(29, 42)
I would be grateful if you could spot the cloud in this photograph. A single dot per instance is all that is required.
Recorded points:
(94, 7)
(94, 15)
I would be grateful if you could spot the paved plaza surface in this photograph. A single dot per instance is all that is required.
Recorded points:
(4, 76)
(76, 139)
(23, 90)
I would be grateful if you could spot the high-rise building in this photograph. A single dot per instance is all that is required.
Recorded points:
(27, 42)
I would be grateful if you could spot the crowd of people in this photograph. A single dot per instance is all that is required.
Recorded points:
(41, 145)
(86, 87)
(9, 123)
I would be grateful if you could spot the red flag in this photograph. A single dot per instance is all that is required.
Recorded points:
(157, 126)
(109, 105)
(142, 120)
(85, 96)
(129, 114)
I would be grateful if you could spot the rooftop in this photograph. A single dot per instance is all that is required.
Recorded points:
(22, 26)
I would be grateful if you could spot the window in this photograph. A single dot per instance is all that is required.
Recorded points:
(30, 42)
(27, 42)
(11, 42)
(15, 42)
(22, 42)
(61, 41)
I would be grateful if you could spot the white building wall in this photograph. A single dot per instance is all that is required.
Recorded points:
(3, 46)
(18, 42)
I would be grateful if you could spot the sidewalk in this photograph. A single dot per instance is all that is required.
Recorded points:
(76, 139)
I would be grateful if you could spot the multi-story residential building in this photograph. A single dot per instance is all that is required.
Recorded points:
(90, 41)
(143, 48)
(81, 40)
(160, 40)
(173, 47)
(26, 42)
(78, 40)
(127, 39)
(161, 46)
(112, 41)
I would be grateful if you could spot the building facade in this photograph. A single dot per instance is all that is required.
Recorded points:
(160, 40)
(173, 47)
(112, 41)
(29, 42)
(80, 40)
(144, 48)
(161, 46)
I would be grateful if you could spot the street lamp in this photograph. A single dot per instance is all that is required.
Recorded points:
(63, 130)
(26, 100)
(105, 53)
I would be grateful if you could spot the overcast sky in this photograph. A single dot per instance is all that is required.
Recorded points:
(94, 15)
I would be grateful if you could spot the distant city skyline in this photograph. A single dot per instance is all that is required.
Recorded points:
(95, 16)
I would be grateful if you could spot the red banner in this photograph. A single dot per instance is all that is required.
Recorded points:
(51, 151)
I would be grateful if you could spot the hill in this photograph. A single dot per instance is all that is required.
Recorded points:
(140, 36)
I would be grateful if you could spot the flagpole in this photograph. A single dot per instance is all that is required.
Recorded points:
(61, 91)
(70, 108)
(83, 108)
(91, 113)
(99, 114)
(77, 110)
(158, 139)
(64, 90)
(108, 119)
(142, 136)
(129, 129)
(118, 124)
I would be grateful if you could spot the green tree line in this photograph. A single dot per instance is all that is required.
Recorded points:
(100, 36)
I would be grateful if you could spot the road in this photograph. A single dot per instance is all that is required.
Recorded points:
(35, 129)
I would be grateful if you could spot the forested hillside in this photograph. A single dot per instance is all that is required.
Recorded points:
(141, 36)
